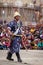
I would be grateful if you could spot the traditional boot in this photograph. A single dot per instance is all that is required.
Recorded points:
(18, 57)
(9, 57)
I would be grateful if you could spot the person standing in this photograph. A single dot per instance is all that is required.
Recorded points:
(15, 27)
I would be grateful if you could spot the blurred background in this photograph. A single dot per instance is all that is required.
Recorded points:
(31, 15)
(26, 8)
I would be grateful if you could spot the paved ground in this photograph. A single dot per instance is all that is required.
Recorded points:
(30, 57)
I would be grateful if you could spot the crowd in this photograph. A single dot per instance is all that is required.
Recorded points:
(32, 37)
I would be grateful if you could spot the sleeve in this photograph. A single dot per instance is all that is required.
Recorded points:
(11, 26)
(21, 24)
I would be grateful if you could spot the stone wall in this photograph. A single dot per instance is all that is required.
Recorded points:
(24, 1)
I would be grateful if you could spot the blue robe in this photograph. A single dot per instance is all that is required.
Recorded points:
(15, 45)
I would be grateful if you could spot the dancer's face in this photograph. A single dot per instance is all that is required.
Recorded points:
(17, 18)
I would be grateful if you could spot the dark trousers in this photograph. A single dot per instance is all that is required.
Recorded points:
(9, 56)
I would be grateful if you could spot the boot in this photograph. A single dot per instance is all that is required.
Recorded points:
(18, 57)
(9, 57)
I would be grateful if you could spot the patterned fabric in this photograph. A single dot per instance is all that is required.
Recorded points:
(15, 45)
